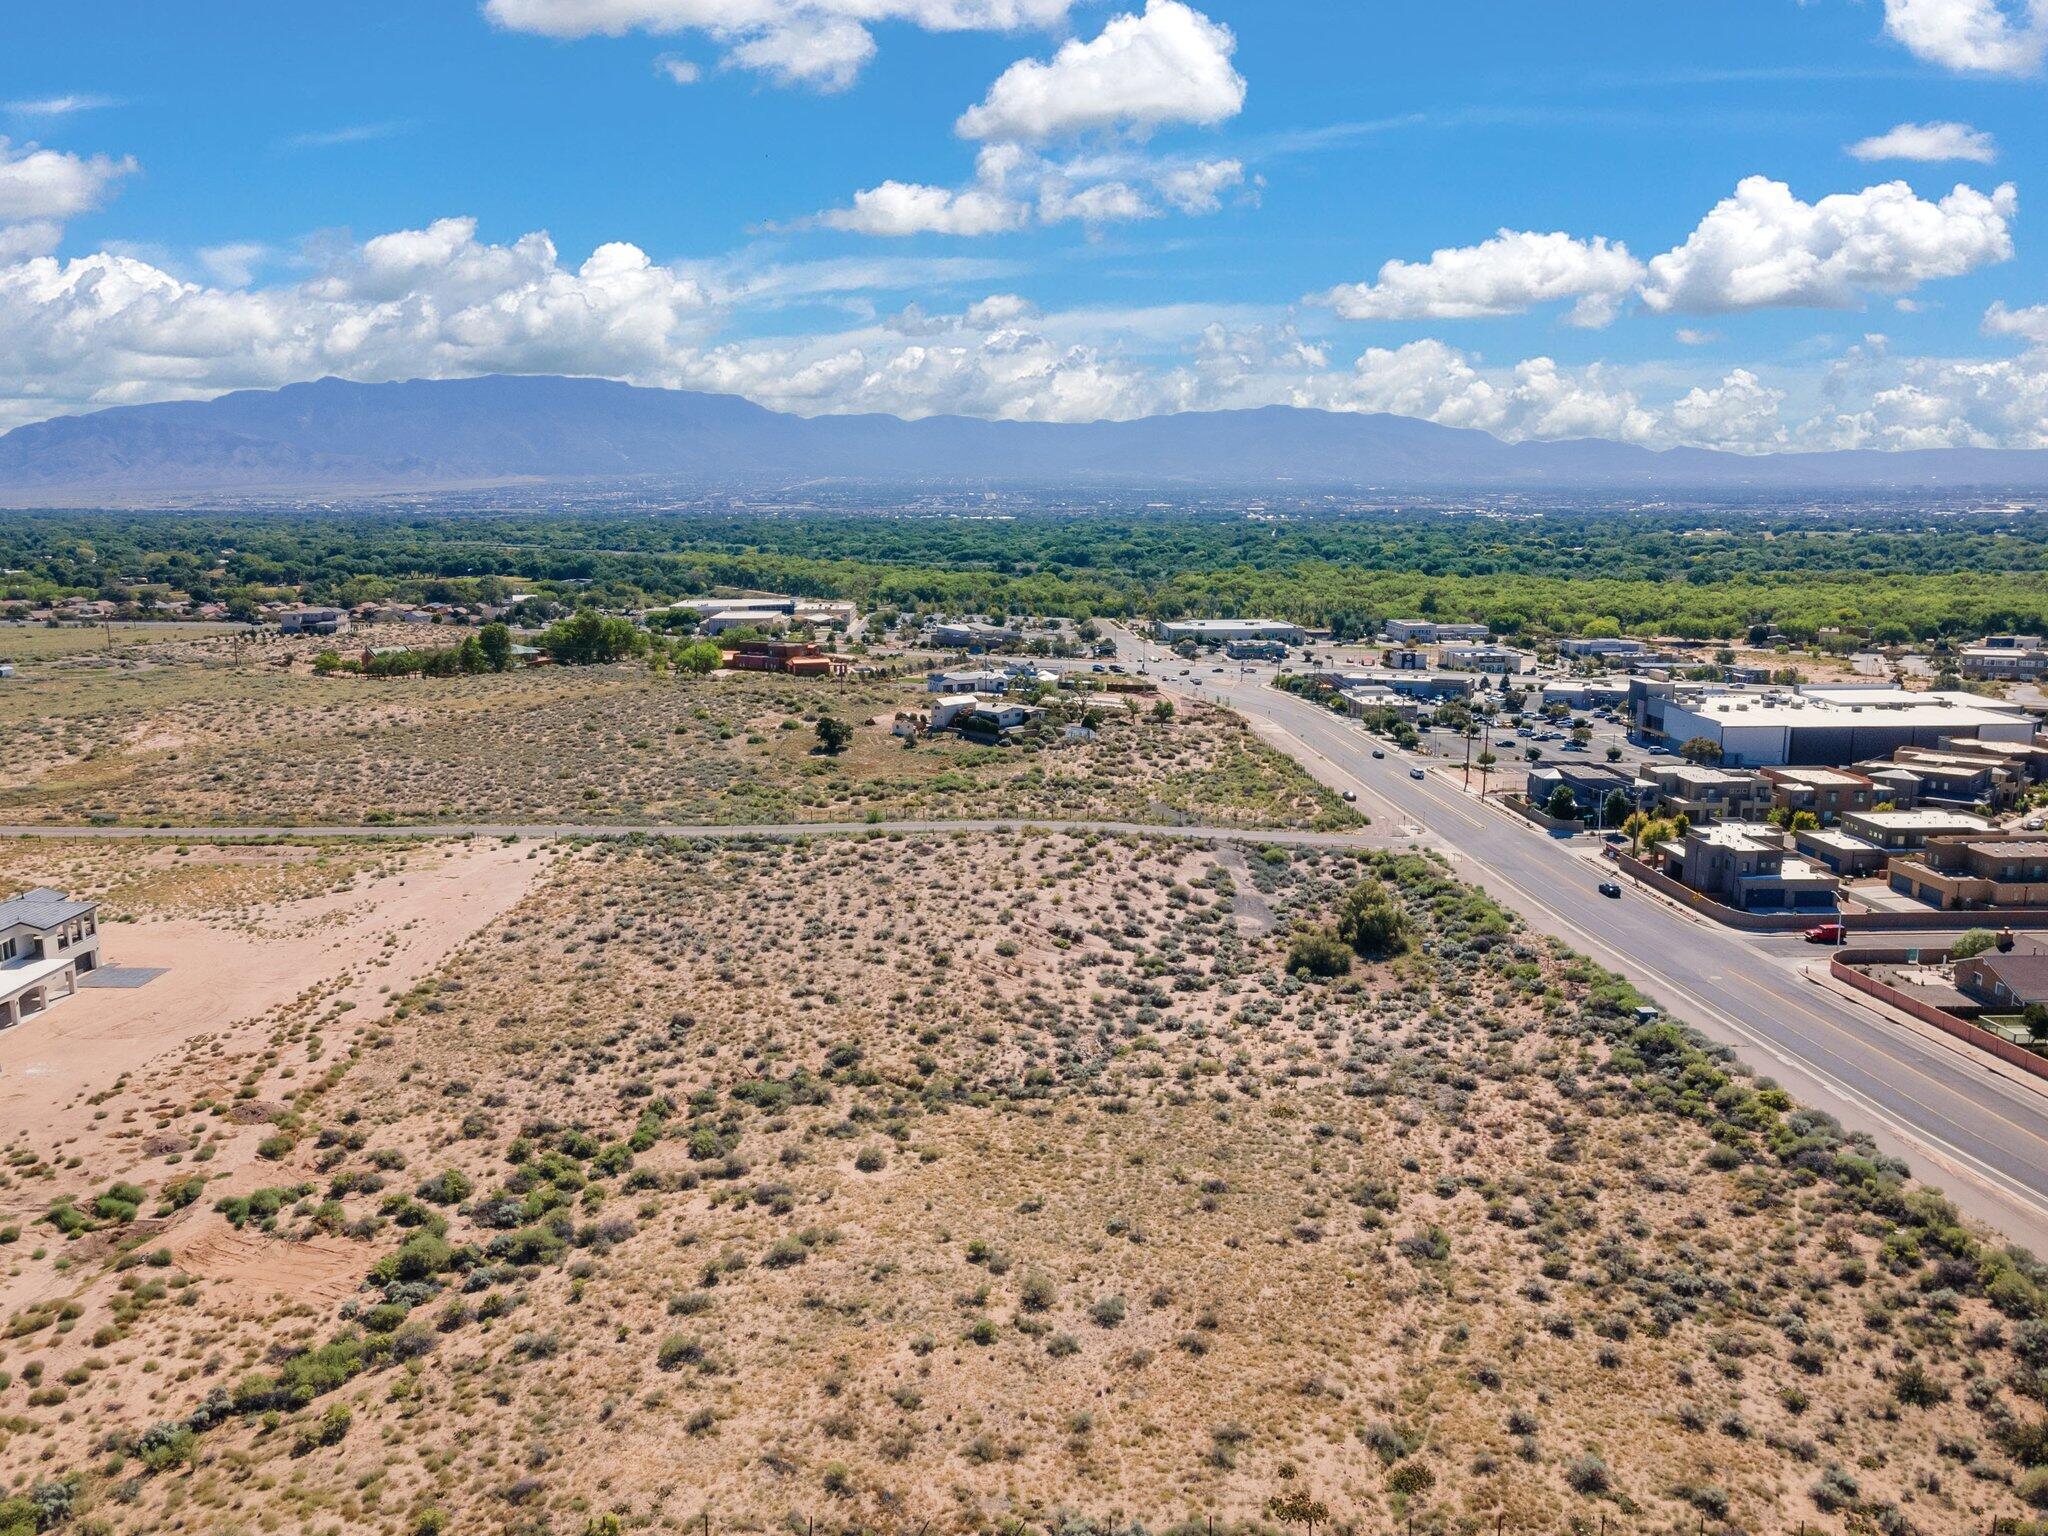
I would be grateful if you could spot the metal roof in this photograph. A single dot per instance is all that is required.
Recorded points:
(42, 908)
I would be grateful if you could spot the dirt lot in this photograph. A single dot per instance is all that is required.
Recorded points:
(204, 734)
(996, 1184)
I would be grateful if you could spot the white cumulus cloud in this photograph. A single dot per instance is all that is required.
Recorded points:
(52, 184)
(107, 329)
(1169, 65)
(2029, 324)
(897, 208)
(1536, 398)
(1764, 247)
(815, 42)
(1740, 412)
(1996, 37)
(1512, 272)
(1199, 188)
(1930, 142)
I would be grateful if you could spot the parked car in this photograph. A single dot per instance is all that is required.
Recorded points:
(1610, 889)
(1824, 933)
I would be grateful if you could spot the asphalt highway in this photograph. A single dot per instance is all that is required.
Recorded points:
(1976, 1134)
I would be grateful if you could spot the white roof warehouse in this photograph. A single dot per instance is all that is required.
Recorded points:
(1218, 631)
(1833, 726)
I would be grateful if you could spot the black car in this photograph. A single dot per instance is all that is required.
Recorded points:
(1609, 889)
(1378, 752)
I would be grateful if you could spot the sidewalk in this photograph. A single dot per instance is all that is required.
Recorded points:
(1820, 976)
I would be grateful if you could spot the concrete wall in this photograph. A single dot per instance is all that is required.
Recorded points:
(1845, 966)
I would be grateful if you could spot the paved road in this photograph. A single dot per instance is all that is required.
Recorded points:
(1980, 1136)
(1364, 838)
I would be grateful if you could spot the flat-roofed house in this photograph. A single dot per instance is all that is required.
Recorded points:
(1987, 870)
(1745, 866)
(1710, 794)
(1827, 792)
(47, 941)
(1909, 831)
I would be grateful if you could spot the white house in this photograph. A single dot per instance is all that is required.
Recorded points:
(982, 681)
(47, 941)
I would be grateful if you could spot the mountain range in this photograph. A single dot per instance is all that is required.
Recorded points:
(339, 438)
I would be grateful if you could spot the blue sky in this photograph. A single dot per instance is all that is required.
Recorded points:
(1074, 209)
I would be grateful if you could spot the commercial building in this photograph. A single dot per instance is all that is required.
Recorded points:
(1989, 870)
(2006, 658)
(1430, 632)
(1585, 693)
(1815, 726)
(971, 635)
(1223, 631)
(1503, 659)
(1255, 650)
(1603, 650)
(1414, 685)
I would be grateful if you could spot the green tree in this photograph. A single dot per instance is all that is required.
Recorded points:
(1701, 751)
(1370, 922)
(495, 640)
(2035, 1022)
(1296, 1507)
(1614, 810)
(699, 657)
(834, 734)
(1975, 942)
(1562, 805)
(588, 637)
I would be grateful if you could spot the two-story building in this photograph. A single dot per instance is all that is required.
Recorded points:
(1982, 870)
(1709, 794)
(1745, 866)
(47, 941)
(1908, 831)
(1828, 793)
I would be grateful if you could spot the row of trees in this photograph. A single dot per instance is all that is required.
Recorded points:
(1890, 576)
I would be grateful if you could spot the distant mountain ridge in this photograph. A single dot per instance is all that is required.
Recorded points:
(336, 437)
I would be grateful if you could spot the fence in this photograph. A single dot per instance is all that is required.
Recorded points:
(1846, 967)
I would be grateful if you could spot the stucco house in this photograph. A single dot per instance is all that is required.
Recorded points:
(47, 941)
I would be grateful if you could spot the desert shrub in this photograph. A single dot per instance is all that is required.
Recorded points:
(1588, 1474)
(1410, 1478)
(1370, 923)
(1318, 952)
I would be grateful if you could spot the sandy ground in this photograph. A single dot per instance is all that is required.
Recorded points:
(222, 977)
